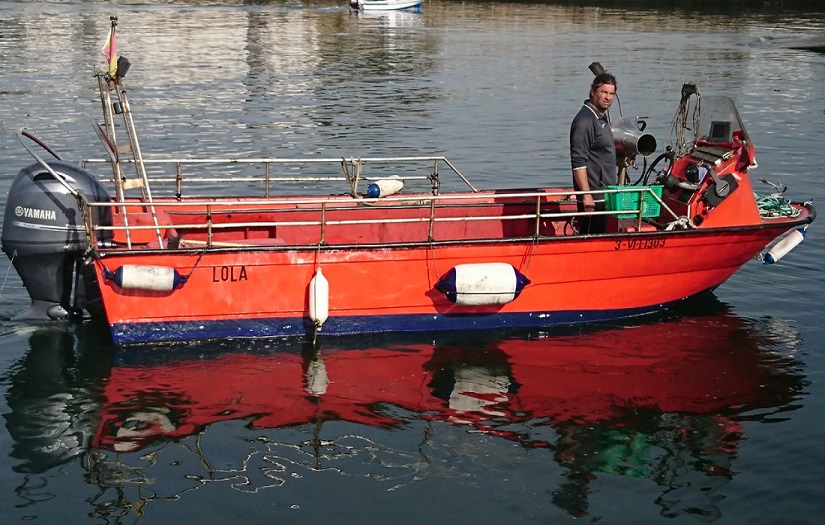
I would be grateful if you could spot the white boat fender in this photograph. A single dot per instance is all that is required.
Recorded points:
(480, 284)
(145, 277)
(785, 245)
(385, 187)
(318, 299)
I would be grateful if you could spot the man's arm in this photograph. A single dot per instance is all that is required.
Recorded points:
(580, 177)
(580, 140)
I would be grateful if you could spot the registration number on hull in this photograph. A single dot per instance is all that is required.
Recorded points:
(640, 244)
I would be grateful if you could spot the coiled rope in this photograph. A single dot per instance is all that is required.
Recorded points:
(775, 207)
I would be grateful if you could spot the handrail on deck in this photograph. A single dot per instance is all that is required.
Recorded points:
(209, 207)
(266, 164)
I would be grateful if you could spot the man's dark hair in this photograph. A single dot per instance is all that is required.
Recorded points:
(602, 79)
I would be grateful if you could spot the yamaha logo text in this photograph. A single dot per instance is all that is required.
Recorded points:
(35, 213)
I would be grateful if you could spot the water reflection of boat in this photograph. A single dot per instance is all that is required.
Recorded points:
(688, 366)
(53, 397)
(660, 401)
(601, 401)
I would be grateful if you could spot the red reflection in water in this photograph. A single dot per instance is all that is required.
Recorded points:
(708, 366)
(662, 400)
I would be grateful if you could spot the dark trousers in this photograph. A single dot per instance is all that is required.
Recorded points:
(591, 223)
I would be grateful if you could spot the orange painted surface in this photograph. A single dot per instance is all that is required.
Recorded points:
(595, 274)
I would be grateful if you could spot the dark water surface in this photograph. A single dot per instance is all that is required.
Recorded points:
(713, 413)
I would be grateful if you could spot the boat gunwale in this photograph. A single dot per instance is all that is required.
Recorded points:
(786, 224)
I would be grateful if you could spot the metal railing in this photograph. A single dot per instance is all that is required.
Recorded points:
(349, 169)
(199, 216)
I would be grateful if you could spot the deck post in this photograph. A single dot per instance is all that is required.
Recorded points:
(267, 176)
(208, 225)
(323, 238)
(178, 181)
(432, 220)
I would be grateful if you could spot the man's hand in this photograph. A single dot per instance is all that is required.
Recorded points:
(589, 203)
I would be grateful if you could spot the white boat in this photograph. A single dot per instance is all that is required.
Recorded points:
(385, 5)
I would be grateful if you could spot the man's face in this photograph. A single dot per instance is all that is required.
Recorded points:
(602, 96)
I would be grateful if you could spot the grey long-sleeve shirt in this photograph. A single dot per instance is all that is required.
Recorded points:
(591, 146)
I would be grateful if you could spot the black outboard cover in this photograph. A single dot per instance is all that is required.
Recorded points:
(44, 233)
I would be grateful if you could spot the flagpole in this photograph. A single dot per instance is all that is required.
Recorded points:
(110, 48)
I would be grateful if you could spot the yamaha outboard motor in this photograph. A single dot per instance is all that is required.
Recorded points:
(44, 233)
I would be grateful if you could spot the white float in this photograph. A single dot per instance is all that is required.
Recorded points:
(149, 278)
(318, 299)
(785, 245)
(480, 284)
(385, 187)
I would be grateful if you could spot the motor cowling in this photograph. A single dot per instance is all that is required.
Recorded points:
(44, 234)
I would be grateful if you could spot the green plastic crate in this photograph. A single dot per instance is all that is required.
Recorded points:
(629, 201)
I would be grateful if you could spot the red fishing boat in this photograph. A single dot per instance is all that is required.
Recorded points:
(382, 244)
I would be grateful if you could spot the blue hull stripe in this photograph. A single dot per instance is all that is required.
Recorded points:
(137, 333)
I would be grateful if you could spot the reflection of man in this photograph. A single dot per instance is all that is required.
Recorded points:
(141, 426)
(592, 152)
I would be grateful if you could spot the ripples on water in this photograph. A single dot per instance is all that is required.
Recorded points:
(543, 416)
(707, 414)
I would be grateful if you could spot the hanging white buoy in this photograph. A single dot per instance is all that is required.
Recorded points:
(318, 299)
(149, 278)
(785, 245)
(385, 187)
(480, 284)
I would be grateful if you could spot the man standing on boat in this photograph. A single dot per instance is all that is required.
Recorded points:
(592, 151)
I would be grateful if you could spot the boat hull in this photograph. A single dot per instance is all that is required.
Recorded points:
(264, 292)
(389, 5)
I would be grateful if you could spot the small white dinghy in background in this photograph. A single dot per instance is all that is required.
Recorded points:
(385, 5)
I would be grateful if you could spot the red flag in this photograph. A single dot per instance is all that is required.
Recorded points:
(110, 50)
